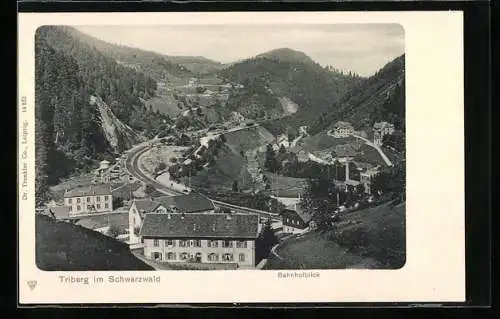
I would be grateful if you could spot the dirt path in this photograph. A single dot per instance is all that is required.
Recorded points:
(376, 147)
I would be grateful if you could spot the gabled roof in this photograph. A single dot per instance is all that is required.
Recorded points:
(345, 150)
(341, 124)
(199, 225)
(187, 203)
(305, 216)
(146, 205)
(380, 125)
(98, 189)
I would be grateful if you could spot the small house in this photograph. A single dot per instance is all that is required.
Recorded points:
(296, 220)
(342, 129)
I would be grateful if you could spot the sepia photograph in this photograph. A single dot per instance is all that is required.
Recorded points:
(199, 150)
(227, 151)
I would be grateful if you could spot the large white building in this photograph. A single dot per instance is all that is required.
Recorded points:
(209, 238)
(380, 129)
(88, 200)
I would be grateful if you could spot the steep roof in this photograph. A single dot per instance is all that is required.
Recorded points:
(187, 203)
(305, 216)
(341, 124)
(99, 189)
(381, 125)
(345, 150)
(214, 225)
(146, 205)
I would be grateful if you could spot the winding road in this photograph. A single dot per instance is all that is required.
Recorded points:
(375, 146)
(132, 165)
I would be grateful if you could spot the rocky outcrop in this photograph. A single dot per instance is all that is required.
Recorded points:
(119, 135)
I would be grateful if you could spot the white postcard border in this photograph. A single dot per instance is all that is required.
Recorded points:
(435, 267)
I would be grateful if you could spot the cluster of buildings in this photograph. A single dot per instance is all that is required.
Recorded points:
(187, 228)
(342, 129)
(107, 173)
(295, 220)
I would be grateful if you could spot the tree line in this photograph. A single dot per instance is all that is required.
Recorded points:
(69, 134)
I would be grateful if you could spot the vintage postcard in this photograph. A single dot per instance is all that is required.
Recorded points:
(241, 157)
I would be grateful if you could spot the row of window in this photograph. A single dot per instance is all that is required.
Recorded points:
(197, 243)
(294, 222)
(89, 207)
(89, 199)
(214, 257)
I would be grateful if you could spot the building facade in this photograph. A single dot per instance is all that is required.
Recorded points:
(88, 200)
(210, 238)
(189, 203)
(380, 130)
(342, 129)
(366, 178)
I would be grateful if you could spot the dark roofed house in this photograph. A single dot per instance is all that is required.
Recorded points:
(210, 238)
(187, 203)
(296, 220)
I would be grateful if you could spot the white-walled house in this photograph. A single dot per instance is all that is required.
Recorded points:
(210, 238)
(380, 129)
(366, 178)
(136, 215)
(187, 203)
(88, 200)
(342, 129)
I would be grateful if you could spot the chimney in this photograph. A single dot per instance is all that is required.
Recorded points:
(182, 216)
(346, 170)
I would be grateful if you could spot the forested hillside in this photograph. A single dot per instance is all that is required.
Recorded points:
(380, 97)
(69, 129)
(292, 74)
(159, 66)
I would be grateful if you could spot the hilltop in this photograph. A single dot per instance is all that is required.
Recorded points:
(175, 69)
(197, 64)
(285, 73)
(287, 55)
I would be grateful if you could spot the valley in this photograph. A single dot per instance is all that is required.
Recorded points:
(270, 135)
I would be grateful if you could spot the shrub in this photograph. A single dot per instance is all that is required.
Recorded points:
(113, 231)
(161, 166)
